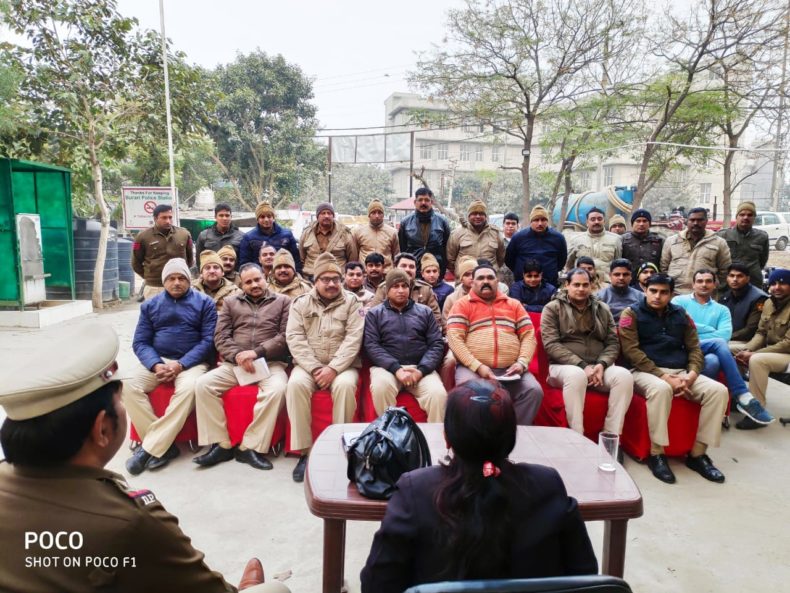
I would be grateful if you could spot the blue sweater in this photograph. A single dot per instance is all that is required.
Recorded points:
(549, 248)
(181, 329)
(280, 238)
(533, 299)
(712, 319)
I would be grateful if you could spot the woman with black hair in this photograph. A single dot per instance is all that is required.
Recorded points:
(479, 516)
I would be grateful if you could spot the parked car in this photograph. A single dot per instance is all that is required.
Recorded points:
(777, 225)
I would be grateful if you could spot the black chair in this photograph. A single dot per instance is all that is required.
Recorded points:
(576, 584)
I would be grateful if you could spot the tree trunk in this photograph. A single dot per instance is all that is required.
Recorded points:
(639, 194)
(565, 195)
(104, 213)
(726, 199)
(525, 165)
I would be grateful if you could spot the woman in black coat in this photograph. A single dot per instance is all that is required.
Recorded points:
(480, 516)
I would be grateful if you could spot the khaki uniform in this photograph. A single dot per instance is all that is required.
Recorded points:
(234, 277)
(321, 335)
(679, 259)
(153, 248)
(226, 289)
(452, 299)
(771, 346)
(298, 286)
(114, 521)
(383, 240)
(339, 242)
(421, 292)
(604, 248)
(363, 294)
(486, 244)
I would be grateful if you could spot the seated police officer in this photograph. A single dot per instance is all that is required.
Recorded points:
(65, 423)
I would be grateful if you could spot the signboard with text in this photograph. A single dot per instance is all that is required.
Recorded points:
(139, 204)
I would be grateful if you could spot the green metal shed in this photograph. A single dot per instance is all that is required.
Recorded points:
(36, 188)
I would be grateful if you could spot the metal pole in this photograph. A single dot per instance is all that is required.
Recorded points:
(329, 173)
(777, 179)
(411, 164)
(167, 111)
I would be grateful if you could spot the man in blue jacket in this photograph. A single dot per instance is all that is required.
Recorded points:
(425, 231)
(405, 347)
(533, 292)
(174, 342)
(272, 233)
(538, 242)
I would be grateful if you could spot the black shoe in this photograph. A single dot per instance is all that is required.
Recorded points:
(157, 462)
(137, 462)
(660, 468)
(301, 465)
(704, 467)
(747, 423)
(253, 458)
(213, 456)
(620, 455)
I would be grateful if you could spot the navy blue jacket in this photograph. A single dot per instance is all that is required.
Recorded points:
(532, 299)
(549, 248)
(663, 338)
(280, 238)
(441, 291)
(181, 329)
(395, 338)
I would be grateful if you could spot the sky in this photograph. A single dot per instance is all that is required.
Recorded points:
(357, 52)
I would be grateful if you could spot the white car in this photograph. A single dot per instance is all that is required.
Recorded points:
(777, 225)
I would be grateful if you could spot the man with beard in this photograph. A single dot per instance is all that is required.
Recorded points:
(640, 245)
(491, 336)
(228, 256)
(212, 282)
(286, 281)
(747, 244)
(250, 326)
(374, 271)
(376, 236)
(267, 230)
(324, 334)
(425, 230)
(326, 235)
(619, 294)
(604, 247)
(478, 239)
(539, 242)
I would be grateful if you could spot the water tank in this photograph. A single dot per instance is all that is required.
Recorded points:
(611, 201)
(86, 246)
(125, 272)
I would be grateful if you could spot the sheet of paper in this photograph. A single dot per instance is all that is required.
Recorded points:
(261, 372)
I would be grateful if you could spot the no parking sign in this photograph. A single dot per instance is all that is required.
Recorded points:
(139, 204)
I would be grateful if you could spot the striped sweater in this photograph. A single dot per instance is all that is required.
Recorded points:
(495, 334)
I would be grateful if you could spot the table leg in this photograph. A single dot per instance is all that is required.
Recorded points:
(614, 547)
(334, 554)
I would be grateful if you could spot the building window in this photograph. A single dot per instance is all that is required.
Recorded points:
(704, 193)
(608, 175)
(584, 181)
(478, 152)
(426, 151)
(466, 152)
(442, 152)
(495, 153)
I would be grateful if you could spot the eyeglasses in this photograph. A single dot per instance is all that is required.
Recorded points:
(332, 280)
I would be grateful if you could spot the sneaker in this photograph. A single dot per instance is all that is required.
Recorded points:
(756, 412)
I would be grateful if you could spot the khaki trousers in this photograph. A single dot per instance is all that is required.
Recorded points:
(150, 292)
(159, 433)
(298, 399)
(429, 392)
(710, 394)
(616, 380)
(760, 365)
(211, 421)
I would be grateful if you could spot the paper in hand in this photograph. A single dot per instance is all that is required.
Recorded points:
(261, 372)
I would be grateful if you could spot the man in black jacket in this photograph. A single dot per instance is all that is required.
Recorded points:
(405, 347)
(745, 302)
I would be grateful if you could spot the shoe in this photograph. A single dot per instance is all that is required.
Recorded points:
(157, 462)
(747, 423)
(301, 465)
(253, 458)
(704, 467)
(756, 412)
(213, 456)
(620, 455)
(137, 462)
(252, 575)
(660, 468)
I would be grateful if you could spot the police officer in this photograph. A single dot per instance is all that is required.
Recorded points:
(65, 423)
(640, 245)
(747, 244)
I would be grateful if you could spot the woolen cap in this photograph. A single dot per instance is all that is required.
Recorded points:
(207, 256)
(227, 250)
(616, 219)
(375, 205)
(465, 264)
(641, 213)
(177, 265)
(77, 361)
(324, 206)
(324, 263)
(538, 212)
(477, 206)
(263, 208)
(284, 257)
(394, 276)
(779, 275)
(646, 265)
(746, 206)
(428, 261)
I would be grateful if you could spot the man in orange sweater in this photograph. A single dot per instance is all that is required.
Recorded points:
(492, 337)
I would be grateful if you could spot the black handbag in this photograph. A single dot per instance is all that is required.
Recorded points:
(389, 446)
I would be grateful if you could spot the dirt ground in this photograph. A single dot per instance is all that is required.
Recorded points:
(779, 259)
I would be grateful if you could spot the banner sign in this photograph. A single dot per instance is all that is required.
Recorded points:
(139, 203)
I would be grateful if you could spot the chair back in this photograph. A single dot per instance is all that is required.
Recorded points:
(572, 584)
